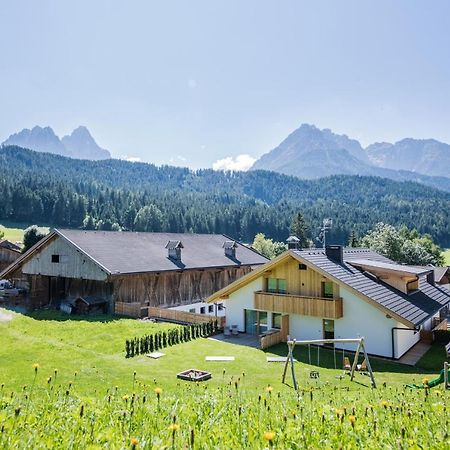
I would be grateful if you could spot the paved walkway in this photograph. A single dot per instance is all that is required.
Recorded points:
(413, 355)
(248, 340)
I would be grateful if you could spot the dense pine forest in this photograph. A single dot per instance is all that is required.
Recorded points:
(113, 194)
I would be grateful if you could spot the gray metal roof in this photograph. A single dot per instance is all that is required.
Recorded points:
(131, 252)
(414, 308)
(413, 270)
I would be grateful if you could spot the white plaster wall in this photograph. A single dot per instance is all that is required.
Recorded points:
(404, 340)
(198, 305)
(240, 300)
(361, 319)
(304, 328)
(427, 325)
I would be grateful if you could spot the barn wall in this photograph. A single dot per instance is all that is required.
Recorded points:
(7, 257)
(174, 288)
(73, 264)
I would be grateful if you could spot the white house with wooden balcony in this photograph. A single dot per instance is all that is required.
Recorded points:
(336, 293)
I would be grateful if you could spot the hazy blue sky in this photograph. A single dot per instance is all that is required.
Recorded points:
(191, 82)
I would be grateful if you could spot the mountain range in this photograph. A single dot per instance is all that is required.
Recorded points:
(310, 153)
(79, 144)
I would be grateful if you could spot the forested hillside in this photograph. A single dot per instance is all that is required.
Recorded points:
(112, 194)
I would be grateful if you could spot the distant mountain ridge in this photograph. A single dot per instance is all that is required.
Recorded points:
(79, 144)
(311, 153)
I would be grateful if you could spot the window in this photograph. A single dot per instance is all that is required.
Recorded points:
(276, 321)
(55, 258)
(220, 306)
(202, 310)
(328, 329)
(272, 285)
(262, 316)
(327, 289)
(192, 310)
(276, 285)
(302, 267)
(210, 308)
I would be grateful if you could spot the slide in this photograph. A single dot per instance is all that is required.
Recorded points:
(431, 383)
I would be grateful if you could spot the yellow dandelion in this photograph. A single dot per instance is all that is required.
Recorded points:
(158, 391)
(269, 389)
(339, 411)
(125, 397)
(134, 442)
(425, 381)
(384, 404)
(352, 419)
(174, 427)
(269, 435)
(36, 366)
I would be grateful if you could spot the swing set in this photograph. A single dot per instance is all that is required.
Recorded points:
(365, 366)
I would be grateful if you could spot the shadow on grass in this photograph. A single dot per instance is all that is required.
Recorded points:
(326, 358)
(56, 315)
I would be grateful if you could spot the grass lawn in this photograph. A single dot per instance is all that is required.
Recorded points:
(99, 399)
(13, 231)
(447, 257)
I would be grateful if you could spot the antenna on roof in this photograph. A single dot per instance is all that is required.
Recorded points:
(327, 224)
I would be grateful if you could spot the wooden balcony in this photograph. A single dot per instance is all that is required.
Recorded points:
(327, 308)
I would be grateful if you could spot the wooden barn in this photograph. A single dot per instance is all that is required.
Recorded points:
(9, 252)
(131, 271)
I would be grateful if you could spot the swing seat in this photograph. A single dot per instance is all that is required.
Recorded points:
(362, 367)
(347, 365)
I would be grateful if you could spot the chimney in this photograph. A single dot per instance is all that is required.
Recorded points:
(335, 253)
(230, 248)
(293, 243)
(174, 250)
(430, 278)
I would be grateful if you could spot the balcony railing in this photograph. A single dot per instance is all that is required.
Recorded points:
(327, 308)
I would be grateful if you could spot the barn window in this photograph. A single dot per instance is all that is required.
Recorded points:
(302, 267)
(192, 310)
(55, 259)
(202, 310)
(210, 308)
(221, 307)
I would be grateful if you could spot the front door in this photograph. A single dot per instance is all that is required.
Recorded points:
(251, 321)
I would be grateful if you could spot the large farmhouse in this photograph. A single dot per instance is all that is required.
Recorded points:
(130, 271)
(336, 293)
(9, 252)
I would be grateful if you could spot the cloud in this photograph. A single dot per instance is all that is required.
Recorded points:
(192, 84)
(177, 159)
(241, 162)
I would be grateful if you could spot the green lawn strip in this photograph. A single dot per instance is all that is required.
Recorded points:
(13, 231)
(447, 257)
(100, 399)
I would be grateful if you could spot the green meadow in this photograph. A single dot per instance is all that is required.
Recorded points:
(13, 231)
(67, 384)
(447, 257)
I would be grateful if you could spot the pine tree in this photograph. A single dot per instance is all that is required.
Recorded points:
(300, 229)
(354, 240)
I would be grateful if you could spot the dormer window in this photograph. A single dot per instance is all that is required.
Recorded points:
(230, 248)
(174, 250)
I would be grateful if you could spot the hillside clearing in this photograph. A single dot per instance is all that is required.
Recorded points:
(13, 231)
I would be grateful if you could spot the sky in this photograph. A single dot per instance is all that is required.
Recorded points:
(219, 83)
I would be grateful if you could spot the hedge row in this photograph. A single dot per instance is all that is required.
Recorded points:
(161, 339)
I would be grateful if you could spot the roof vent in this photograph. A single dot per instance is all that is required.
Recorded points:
(293, 243)
(335, 253)
(174, 249)
(230, 248)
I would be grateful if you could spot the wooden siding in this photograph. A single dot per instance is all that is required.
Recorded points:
(73, 263)
(168, 289)
(306, 283)
(183, 316)
(7, 257)
(267, 340)
(328, 308)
